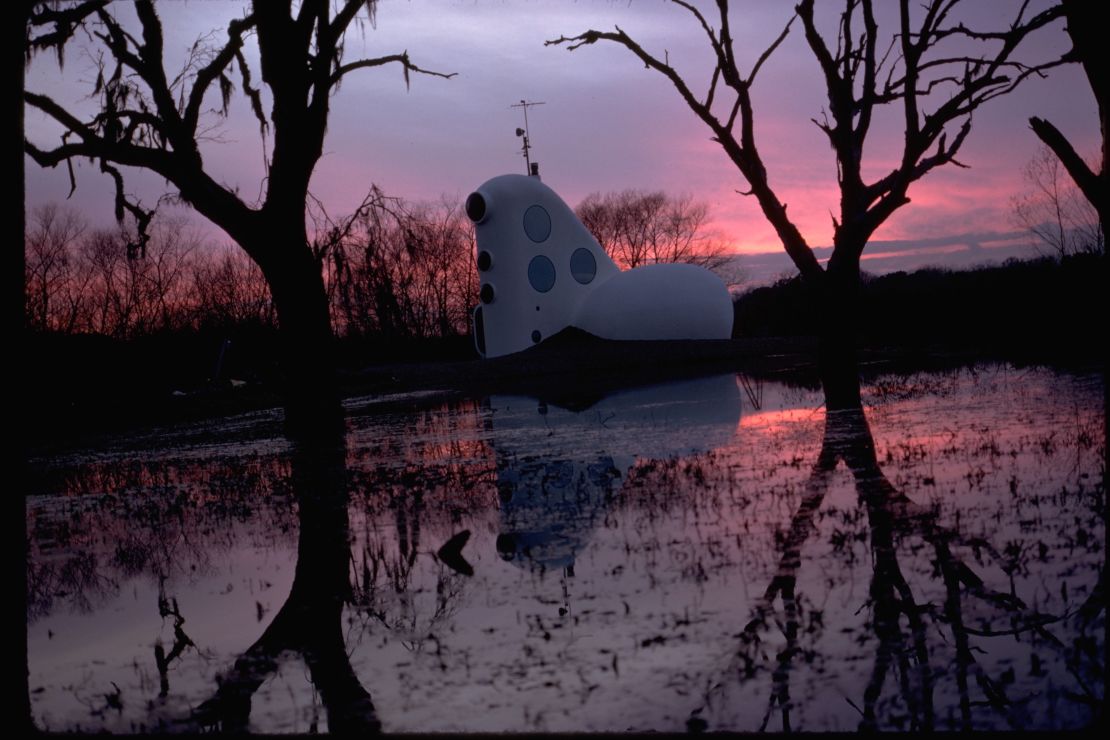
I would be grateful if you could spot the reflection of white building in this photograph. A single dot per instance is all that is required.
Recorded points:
(557, 469)
(541, 271)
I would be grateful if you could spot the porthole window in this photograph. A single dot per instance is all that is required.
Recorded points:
(537, 224)
(485, 261)
(541, 273)
(486, 293)
(476, 207)
(583, 266)
(536, 336)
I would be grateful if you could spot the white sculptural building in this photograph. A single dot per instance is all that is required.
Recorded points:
(541, 271)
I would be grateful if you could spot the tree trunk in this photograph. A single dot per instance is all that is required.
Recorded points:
(837, 295)
(14, 65)
(309, 382)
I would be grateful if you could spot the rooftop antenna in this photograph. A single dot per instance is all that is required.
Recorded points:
(530, 169)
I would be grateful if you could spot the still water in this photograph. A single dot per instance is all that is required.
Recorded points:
(718, 554)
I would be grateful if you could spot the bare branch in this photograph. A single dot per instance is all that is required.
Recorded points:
(651, 62)
(215, 68)
(743, 153)
(252, 92)
(402, 59)
(769, 51)
(712, 87)
(347, 14)
(1084, 177)
(66, 21)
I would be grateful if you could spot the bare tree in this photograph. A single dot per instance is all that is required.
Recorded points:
(1054, 210)
(397, 269)
(170, 262)
(638, 227)
(110, 289)
(1084, 26)
(151, 119)
(931, 66)
(54, 290)
(230, 290)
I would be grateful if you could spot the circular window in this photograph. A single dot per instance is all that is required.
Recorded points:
(476, 207)
(537, 224)
(536, 336)
(583, 266)
(541, 273)
(485, 261)
(486, 293)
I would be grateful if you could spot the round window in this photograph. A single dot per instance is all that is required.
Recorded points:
(541, 273)
(476, 207)
(537, 224)
(583, 266)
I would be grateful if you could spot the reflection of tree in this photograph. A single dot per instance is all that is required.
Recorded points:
(76, 579)
(167, 607)
(903, 649)
(382, 580)
(177, 519)
(309, 623)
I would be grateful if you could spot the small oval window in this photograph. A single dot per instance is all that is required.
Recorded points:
(541, 273)
(476, 207)
(537, 224)
(583, 266)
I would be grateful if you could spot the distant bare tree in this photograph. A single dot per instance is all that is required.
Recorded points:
(397, 269)
(1085, 27)
(110, 285)
(230, 290)
(452, 284)
(54, 286)
(170, 262)
(1055, 211)
(637, 227)
(931, 66)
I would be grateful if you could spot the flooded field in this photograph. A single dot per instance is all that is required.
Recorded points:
(715, 554)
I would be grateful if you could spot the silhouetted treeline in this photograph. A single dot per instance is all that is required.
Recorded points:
(393, 270)
(81, 280)
(1043, 305)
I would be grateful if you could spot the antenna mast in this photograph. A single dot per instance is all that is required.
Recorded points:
(529, 168)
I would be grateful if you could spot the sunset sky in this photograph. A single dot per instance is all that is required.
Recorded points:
(607, 123)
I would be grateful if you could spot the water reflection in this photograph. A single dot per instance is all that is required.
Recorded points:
(910, 667)
(309, 623)
(558, 468)
(899, 620)
(930, 559)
